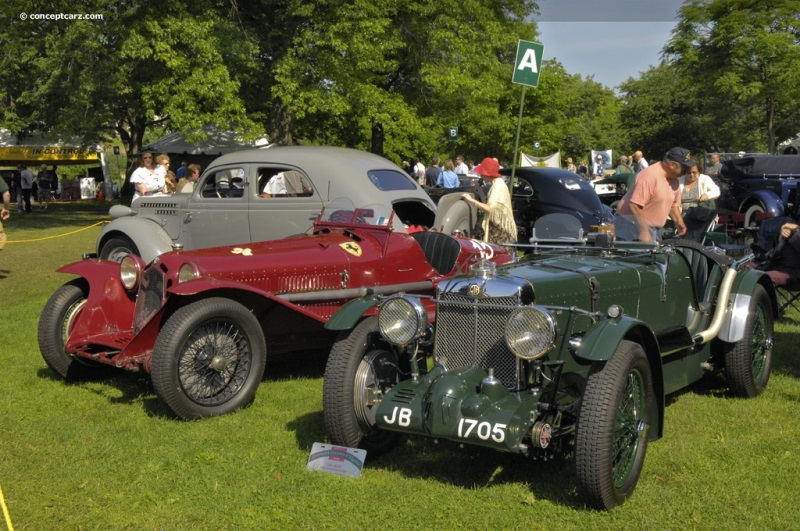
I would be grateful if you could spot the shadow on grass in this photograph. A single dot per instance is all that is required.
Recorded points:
(61, 214)
(292, 365)
(137, 387)
(785, 359)
(470, 467)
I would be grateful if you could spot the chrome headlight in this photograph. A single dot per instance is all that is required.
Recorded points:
(130, 271)
(530, 332)
(187, 272)
(402, 319)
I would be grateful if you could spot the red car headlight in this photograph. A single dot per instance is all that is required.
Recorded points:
(130, 271)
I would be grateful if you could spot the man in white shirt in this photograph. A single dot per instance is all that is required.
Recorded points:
(461, 168)
(275, 186)
(639, 162)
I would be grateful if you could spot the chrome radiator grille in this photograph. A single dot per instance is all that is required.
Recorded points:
(149, 299)
(471, 333)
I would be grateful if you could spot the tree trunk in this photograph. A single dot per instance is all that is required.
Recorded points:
(378, 137)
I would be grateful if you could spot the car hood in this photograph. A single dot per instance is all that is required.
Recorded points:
(334, 259)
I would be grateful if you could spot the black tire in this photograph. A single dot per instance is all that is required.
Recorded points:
(208, 359)
(57, 319)
(611, 438)
(360, 364)
(117, 247)
(748, 362)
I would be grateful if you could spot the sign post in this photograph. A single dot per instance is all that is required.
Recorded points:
(527, 67)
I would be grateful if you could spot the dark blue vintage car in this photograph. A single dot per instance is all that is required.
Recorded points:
(765, 183)
(537, 191)
(540, 190)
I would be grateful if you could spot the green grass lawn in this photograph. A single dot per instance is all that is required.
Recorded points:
(106, 454)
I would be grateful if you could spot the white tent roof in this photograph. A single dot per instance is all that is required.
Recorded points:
(216, 143)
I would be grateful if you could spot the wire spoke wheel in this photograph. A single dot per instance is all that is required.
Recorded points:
(214, 362)
(748, 362)
(628, 428)
(616, 410)
(208, 359)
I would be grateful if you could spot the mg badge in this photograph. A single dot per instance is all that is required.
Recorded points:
(474, 290)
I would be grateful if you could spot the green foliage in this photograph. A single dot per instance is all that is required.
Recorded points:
(660, 110)
(743, 56)
(391, 77)
(143, 64)
(105, 454)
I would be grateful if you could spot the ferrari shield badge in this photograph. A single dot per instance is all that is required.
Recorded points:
(351, 247)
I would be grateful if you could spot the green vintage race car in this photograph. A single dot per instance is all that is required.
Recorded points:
(569, 351)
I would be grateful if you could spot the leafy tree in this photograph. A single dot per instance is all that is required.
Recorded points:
(661, 111)
(390, 77)
(744, 57)
(145, 64)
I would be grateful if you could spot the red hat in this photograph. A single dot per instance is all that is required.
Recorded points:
(488, 168)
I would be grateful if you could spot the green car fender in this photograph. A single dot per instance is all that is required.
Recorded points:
(737, 314)
(350, 313)
(601, 341)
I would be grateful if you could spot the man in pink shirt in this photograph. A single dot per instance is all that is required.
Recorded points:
(653, 197)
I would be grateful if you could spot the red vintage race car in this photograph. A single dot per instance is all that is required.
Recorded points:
(200, 322)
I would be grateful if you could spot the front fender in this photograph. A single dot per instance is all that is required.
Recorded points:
(454, 214)
(737, 313)
(602, 340)
(768, 199)
(148, 236)
(92, 269)
(350, 313)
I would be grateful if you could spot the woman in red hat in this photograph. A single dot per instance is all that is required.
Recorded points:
(498, 221)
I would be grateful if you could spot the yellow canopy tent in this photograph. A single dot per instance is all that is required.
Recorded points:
(40, 149)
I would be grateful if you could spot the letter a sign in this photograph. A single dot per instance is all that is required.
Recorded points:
(528, 63)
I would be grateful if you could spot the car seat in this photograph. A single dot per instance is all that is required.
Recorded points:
(440, 250)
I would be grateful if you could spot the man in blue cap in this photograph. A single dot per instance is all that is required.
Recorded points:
(654, 197)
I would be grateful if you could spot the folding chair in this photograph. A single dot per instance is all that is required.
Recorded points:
(788, 296)
(764, 247)
(733, 228)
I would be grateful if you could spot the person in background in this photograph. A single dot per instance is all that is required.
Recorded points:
(26, 182)
(186, 184)
(170, 181)
(639, 162)
(5, 213)
(571, 165)
(583, 170)
(145, 180)
(433, 172)
(460, 168)
(180, 173)
(713, 169)
(449, 177)
(419, 171)
(623, 166)
(498, 222)
(654, 196)
(16, 186)
(696, 188)
(599, 167)
(698, 201)
(46, 181)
